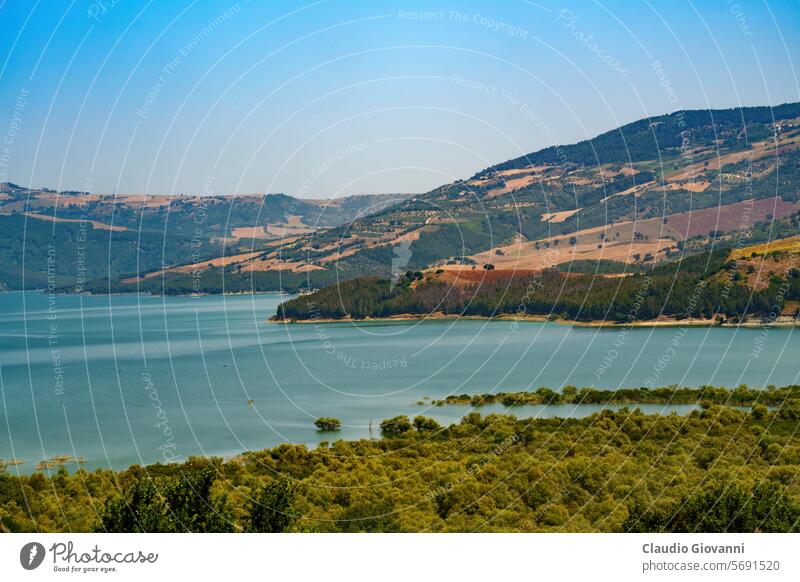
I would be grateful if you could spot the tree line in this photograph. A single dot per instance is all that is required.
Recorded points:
(706, 285)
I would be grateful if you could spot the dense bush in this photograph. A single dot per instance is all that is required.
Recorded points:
(717, 469)
(720, 508)
(423, 423)
(787, 399)
(326, 423)
(272, 509)
(395, 426)
(168, 504)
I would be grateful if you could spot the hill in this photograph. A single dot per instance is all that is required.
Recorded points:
(81, 240)
(713, 286)
(649, 191)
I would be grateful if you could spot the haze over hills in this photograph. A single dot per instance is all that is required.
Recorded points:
(69, 239)
(646, 192)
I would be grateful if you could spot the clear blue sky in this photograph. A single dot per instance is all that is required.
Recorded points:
(335, 97)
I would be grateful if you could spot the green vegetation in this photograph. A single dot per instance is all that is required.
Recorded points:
(169, 504)
(717, 469)
(395, 426)
(787, 399)
(272, 509)
(327, 424)
(423, 423)
(187, 502)
(700, 286)
(219, 280)
(721, 508)
(67, 255)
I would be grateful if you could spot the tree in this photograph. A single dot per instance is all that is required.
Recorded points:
(396, 425)
(327, 423)
(719, 509)
(759, 411)
(272, 509)
(168, 504)
(139, 509)
(423, 423)
(488, 266)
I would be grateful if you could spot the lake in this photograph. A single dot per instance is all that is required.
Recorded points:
(126, 379)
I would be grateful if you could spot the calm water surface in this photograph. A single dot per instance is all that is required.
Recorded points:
(136, 379)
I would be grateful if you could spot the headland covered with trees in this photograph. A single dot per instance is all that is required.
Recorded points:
(707, 286)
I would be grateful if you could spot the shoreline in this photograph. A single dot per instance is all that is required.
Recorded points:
(742, 396)
(61, 293)
(29, 466)
(781, 322)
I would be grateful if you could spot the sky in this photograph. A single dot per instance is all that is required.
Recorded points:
(331, 98)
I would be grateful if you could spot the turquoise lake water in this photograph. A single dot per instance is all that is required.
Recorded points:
(130, 379)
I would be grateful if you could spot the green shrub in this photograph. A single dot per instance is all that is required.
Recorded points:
(396, 425)
(271, 510)
(326, 423)
(422, 423)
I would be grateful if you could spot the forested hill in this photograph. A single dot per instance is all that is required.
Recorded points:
(720, 286)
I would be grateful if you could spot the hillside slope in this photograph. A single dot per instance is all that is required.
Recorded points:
(650, 190)
(81, 240)
(756, 284)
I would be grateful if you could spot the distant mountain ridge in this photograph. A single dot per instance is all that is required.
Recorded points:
(117, 236)
(643, 139)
